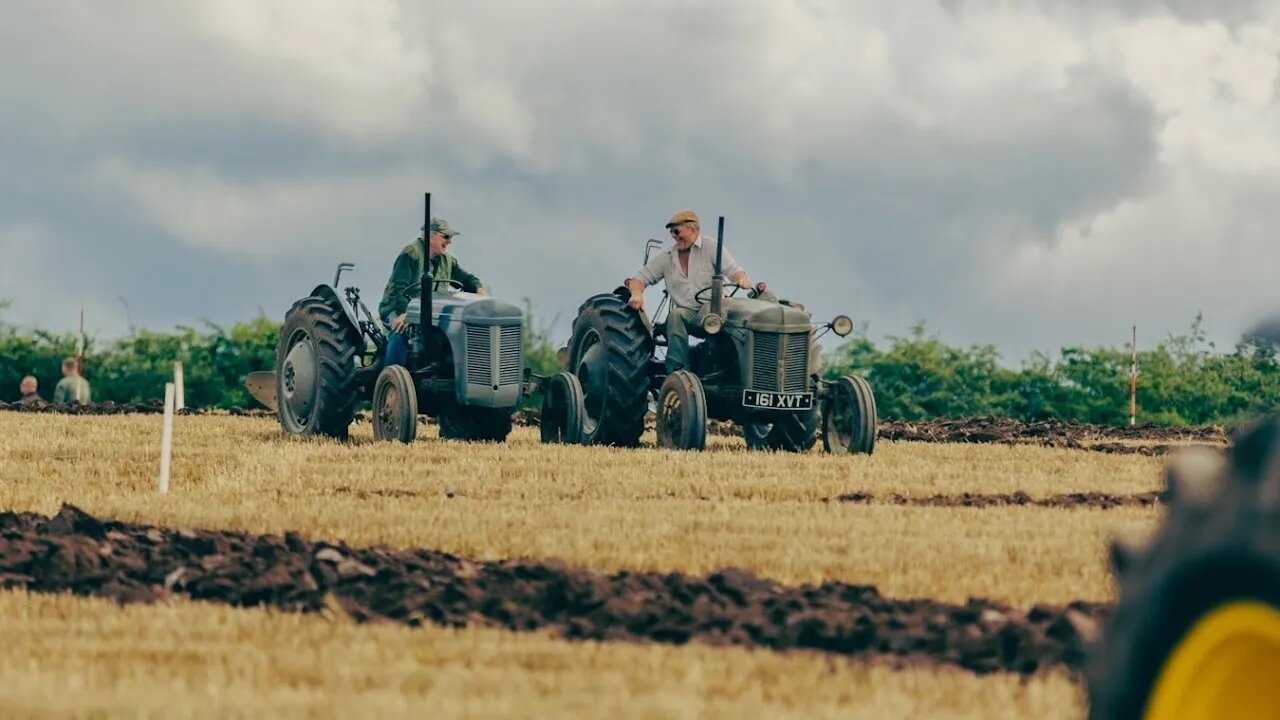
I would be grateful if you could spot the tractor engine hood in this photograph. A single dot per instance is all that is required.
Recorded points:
(764, 316)
(466, 307)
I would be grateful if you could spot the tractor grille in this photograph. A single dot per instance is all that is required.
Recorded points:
(511, 355)
(479, 355)
(481, 342)
(792, 374)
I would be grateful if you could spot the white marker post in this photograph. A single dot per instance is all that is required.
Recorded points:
(180, 396)
(1133, 380)
(166, 438)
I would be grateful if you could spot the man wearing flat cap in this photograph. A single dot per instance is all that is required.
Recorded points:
(406, 282)
(686, 268)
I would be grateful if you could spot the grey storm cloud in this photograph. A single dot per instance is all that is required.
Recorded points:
(1026, 176)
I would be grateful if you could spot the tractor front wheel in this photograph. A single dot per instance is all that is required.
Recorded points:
(395, 405)
(562, 410)
(682, 412)
(849, 417)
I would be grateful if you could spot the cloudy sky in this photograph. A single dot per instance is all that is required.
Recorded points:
(1029, 175)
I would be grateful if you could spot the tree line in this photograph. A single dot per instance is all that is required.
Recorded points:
(1183, 380)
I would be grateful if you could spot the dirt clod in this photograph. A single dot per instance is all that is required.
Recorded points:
(730, 607)
(1099, 500)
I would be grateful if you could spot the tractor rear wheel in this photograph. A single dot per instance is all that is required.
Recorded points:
(395, 405)
(609, 351)
(682, 412)
(315, 370)
(480, 424)
(849, 417)
(1196, 628)
(792, 432)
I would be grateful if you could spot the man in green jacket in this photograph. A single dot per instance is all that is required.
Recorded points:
(406, 282)
(72, 387)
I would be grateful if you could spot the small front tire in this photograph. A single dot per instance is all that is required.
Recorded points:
(849, 421)
(682, 412)
(562, 410)
(395, 405)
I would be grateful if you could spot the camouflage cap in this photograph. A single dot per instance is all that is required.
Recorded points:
(683, 216)
(441, 226)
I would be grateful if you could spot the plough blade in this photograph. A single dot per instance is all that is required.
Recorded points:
(262, 386)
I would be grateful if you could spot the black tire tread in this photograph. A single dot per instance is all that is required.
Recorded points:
(568, 399)
(1202, 554)
(399, 375)
(336, 345)
(629, 347)
(864, 435)
(694, 401)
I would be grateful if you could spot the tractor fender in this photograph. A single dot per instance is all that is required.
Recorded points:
(624, 292)
(331, 295)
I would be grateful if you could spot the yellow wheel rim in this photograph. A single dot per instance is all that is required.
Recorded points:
(1227, 666)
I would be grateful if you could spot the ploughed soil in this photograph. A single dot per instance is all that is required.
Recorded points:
(77, 553)
(1100, 500)
(1049, 433)
(152, 407)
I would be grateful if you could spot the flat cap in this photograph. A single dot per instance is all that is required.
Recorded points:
(441, 226)
(683, 216)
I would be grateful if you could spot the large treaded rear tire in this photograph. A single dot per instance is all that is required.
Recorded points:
(1217, 545)
(611, 337)
(334, 344)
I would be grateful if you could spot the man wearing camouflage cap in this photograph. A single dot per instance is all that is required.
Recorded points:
(406, 282)
(686, 269)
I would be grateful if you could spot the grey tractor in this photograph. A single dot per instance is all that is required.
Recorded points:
(758, 365)
(465, 364)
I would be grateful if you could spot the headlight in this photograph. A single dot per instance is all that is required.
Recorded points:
(842, 325)
(712, 324)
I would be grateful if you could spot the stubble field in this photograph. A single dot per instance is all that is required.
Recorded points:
(928, 580)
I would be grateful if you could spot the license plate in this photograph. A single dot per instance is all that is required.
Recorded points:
(776, 400)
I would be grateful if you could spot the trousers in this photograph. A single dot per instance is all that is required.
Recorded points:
(397, 345)
(680, 322)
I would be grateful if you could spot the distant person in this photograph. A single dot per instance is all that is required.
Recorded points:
(406, 282)
(30, 392)
(72, 387)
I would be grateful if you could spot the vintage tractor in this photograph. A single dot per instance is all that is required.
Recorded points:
(1196, 628)
(465, 364)
(758, 366)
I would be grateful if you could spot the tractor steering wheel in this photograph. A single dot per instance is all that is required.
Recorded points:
(454, 284)
(733, 292)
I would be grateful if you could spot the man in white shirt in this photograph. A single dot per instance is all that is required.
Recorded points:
(686, 269)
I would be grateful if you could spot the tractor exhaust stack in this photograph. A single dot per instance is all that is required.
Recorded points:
(717, 280)
(713, 321)
(425, 290)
